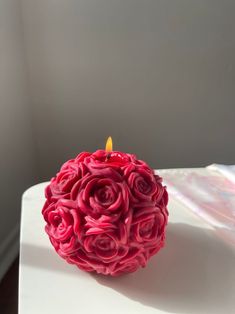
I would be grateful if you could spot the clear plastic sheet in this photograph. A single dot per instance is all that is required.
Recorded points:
(209, 192)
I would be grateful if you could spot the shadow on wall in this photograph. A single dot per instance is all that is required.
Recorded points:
(194, 273)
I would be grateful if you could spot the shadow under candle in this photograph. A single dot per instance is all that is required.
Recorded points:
(194, 273)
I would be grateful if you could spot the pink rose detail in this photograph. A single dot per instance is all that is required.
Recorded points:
(106, 212)
(102, 195)
(63, 182)
(104, 246)
(144, 186)
(128, 267)
(63, 226)
(148, 225)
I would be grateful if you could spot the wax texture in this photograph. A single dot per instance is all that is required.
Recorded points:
(106, 212)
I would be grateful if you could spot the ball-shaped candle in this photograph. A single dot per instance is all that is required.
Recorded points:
(106, 212)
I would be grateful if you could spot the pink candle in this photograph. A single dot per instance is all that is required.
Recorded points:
(106, 212)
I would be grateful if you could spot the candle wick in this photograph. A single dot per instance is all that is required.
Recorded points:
(108, 157)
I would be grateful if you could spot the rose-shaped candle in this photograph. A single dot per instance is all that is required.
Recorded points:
(106, 212)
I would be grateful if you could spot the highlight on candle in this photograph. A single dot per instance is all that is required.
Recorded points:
(109, 145)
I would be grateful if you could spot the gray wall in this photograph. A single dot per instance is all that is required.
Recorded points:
(159, 76)
(16, 144)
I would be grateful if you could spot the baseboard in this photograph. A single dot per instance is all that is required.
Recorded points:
(9, 249)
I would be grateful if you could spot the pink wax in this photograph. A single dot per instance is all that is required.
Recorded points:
(106, 212)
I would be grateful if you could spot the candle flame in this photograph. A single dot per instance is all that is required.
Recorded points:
(109, 145)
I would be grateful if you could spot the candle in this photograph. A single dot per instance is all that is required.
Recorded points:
(106, 212)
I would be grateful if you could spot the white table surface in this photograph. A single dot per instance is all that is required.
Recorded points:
(194, 273)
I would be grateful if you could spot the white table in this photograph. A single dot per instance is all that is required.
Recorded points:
(194, 273)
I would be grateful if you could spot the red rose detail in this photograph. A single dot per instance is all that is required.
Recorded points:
(63, 226)
(106, 212)
(128, 267)
(146, 188)
(63, 182)
(148, 225)
(102, 195)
